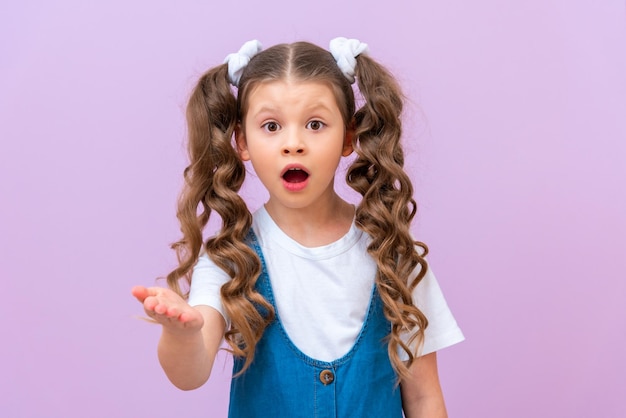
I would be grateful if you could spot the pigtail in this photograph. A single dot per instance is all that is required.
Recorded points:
(387, 207)
(212, 179)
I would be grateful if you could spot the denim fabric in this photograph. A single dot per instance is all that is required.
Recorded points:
(284, 382)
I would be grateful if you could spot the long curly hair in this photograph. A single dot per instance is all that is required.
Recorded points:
(216, 173)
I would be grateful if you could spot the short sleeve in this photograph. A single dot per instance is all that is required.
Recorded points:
(442, 330)
(206, 282)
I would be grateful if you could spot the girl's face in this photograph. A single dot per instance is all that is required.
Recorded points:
(294, 135)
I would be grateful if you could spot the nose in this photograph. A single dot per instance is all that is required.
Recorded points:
(293, 145)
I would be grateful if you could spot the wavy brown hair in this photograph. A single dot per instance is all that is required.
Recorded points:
(216, 173)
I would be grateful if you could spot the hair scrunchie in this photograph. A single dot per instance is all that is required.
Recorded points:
(238, 60)
(345, 52)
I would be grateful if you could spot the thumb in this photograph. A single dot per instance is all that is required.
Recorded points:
(140, 293)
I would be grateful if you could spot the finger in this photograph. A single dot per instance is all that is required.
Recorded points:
(144, 292)
(139, 292)
(186, 318)
(165, 309)
(173, 312)
(149, 303)
(158, 309)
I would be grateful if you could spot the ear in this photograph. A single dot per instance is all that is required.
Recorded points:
(347, 140)
(242, 145)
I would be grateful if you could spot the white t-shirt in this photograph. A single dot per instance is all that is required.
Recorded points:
(322, 294)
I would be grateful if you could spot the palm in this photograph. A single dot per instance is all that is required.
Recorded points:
(168, 308)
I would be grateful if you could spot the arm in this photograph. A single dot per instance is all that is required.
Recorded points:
(190, 338)
(421, 392)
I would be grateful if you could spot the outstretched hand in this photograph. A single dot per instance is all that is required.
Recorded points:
(168, 309)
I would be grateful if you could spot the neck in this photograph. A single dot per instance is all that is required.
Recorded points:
(316, 225)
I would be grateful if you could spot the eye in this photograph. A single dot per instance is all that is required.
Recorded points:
(315, 125)
(271, 126)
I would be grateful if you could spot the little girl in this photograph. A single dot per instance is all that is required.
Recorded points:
(330, 310)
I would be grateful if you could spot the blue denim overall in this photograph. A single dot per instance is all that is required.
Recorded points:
(283, 382)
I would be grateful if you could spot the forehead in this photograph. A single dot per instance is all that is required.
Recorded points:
(310, 91)
(290, 94)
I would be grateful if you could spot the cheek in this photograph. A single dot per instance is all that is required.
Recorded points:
(260, 157)
(257, 151)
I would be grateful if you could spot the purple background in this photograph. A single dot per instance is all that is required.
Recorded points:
(517, 147)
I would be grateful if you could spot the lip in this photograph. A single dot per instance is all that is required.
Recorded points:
(294, 167)
(294, 187)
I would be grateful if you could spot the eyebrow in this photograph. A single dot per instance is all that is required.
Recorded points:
(320, 105)
(264, 108)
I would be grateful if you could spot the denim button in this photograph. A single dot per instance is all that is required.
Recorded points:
(327, 377)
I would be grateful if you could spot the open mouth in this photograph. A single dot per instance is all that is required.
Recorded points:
(295, 175)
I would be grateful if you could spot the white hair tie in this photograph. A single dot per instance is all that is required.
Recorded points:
(238, 60)
(345, 52)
